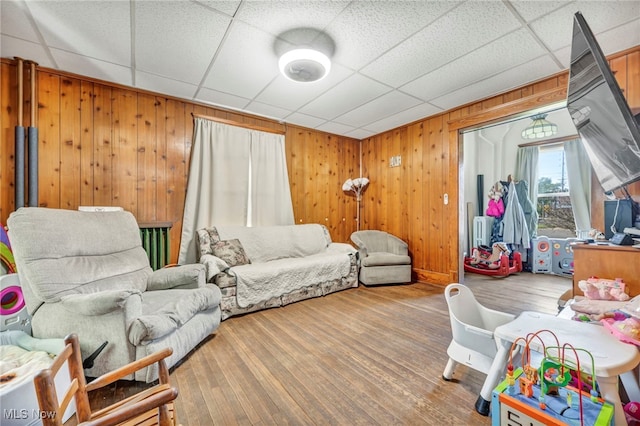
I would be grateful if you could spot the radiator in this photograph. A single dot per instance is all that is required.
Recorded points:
(155, 241)
(482, 227)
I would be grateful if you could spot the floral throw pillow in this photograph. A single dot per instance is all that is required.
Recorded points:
(231, 251)
(207, 237)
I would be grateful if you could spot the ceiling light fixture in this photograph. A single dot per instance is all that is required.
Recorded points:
(539, 128)
(304, 65)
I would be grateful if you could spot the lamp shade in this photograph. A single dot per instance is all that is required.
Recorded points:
(539, 128)
(304, 65)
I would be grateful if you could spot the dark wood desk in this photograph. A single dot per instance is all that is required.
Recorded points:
(606, 261)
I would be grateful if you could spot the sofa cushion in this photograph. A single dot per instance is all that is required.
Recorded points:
(266, 243)
(385, 259)
(231, 251)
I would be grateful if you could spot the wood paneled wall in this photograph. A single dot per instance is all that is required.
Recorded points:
(409, 201)
(104, 144)
(107, 145)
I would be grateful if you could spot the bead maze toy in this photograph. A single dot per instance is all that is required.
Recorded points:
(552, 394)
(495, 261)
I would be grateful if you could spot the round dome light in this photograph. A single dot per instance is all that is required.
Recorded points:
(304, 65)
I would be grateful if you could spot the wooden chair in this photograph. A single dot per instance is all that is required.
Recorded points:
(152, 406)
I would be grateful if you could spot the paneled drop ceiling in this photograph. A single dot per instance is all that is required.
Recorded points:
(394, 61)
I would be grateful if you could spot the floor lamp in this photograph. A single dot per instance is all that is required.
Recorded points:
(357, 187)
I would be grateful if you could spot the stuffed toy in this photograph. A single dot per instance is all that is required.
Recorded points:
(602, 289)
(489, 256)
(496, 205)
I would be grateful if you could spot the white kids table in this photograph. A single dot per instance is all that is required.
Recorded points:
(612, 357)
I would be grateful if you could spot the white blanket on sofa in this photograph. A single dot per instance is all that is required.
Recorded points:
(260, 282)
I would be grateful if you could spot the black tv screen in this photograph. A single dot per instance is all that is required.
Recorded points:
(605, 123)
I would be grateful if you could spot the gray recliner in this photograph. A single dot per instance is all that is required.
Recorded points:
(384, 258)
(87, 273)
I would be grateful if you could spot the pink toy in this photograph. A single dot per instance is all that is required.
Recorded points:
(495, 208)
(603, 289)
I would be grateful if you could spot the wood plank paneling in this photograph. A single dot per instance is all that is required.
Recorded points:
(134, 147)
(433, 168)
(8, 123)
(70, 143)
(87, 172)
(147, 158)
(49, 140)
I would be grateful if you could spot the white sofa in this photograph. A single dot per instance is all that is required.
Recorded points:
(264, 267)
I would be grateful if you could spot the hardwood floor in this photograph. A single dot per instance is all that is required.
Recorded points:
(369, 355)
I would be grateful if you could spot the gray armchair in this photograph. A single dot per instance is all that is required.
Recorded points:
(87, 273)
(384, 258)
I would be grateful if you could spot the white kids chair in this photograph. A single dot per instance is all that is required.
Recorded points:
(472, 327)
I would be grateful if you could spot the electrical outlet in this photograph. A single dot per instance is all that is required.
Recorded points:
(395, 161)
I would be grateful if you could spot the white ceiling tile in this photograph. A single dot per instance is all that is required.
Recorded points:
(620, 38)
(366, 29)
(176, 41)
(335, 128)
(225, 100)
(156, 83)
(359, 134)
(266, 110)
(304, 120)
(98, 29)
(11, 47)
(245, 64)
(350, 93)
(277, 17)
(555, 29)
(479, 64)
(93, 67)
(510, 79)
(403, 117)
(378, 109)
(531, 10)
(228, 7)
(14, 21)
(299, 94)
(224, 52)
(614, 40)
(465, 29)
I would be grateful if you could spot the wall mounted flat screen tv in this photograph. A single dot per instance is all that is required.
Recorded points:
(608, 129)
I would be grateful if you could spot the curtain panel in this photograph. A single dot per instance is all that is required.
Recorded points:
(237, 176)
(579, 175)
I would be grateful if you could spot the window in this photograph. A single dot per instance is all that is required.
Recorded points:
(555, 214)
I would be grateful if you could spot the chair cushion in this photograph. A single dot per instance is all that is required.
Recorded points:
(167, 310)
(384, 259)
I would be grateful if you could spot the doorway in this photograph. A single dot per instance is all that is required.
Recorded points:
(488, 152)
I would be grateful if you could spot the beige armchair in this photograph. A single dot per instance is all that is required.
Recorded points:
(384, 258)
(87, 273)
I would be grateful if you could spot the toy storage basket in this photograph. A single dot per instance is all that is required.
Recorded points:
(472, 327)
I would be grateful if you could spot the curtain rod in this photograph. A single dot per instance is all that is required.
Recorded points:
(238, 124)
(549, 141)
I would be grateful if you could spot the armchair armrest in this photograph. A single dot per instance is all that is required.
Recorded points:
(397, 246)
(185, 276)
(155, 398)
(214, 265)
(132, 367)
(95, 304)
(341, 248)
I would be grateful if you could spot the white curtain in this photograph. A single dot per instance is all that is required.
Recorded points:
(270, 192)
(234, 173)
(579, 174)
(527, 169)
